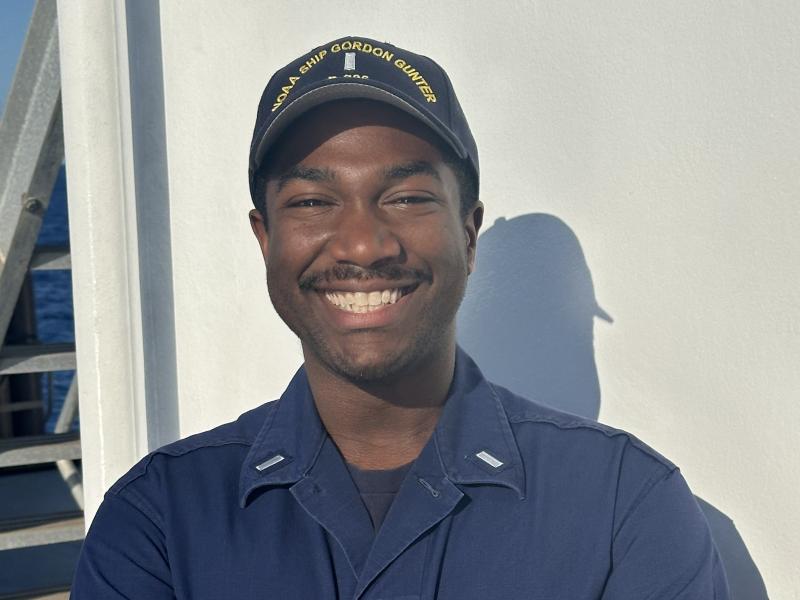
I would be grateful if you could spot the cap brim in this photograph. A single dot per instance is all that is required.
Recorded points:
(328, 92)
(599, 312)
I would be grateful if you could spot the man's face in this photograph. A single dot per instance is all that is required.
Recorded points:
(366, 249)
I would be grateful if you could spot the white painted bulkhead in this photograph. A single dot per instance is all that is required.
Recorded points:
(643, 154)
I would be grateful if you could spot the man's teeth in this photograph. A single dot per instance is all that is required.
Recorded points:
(361, 302)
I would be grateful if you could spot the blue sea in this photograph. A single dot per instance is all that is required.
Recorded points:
(53, 298)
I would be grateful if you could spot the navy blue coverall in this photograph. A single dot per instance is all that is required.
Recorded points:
(508, 499)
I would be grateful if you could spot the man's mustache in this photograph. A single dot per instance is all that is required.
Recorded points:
(389, 272)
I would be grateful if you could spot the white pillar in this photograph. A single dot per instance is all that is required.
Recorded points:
(119, 234)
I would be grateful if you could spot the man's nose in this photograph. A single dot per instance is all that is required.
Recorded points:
(364, 237)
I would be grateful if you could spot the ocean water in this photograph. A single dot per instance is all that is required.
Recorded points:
(53, 299)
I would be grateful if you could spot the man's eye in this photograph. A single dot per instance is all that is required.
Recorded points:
(412, 200)
(309, 203)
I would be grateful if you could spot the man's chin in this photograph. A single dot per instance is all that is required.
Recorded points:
(364, 366)
(379, 359)
(370, 370)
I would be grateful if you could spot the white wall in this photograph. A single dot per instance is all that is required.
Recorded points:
(643, 154)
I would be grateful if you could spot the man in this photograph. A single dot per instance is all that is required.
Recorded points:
(390, 468)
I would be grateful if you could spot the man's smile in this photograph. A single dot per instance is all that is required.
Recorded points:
(367, 301)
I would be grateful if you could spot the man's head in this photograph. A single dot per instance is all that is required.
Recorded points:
(367, 218)
(360, 68)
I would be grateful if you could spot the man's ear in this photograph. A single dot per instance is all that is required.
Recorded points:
(259, 227)
(472, 225)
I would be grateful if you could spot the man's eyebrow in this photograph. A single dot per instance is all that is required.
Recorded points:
(305, 174)
(409, 169)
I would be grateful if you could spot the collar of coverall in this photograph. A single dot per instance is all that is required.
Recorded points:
(473, 439)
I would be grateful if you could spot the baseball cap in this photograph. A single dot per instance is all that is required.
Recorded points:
(361, 68)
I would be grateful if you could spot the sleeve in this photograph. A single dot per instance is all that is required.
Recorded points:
(663, 549)
(124, 556)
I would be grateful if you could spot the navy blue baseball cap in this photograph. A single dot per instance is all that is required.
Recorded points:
(355, 67)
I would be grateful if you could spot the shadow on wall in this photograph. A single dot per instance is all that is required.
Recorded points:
(528, 315)
(528, 321)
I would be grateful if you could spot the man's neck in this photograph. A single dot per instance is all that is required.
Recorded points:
(383, 424)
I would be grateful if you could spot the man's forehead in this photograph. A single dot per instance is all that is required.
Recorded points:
(391, 172)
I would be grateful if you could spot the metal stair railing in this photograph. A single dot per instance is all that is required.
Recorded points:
(31, 154)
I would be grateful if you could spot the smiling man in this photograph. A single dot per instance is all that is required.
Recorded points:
(390, 468)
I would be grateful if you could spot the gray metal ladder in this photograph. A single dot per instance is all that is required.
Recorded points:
(31, 154)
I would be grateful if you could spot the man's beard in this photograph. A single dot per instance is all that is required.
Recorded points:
(390, 366)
